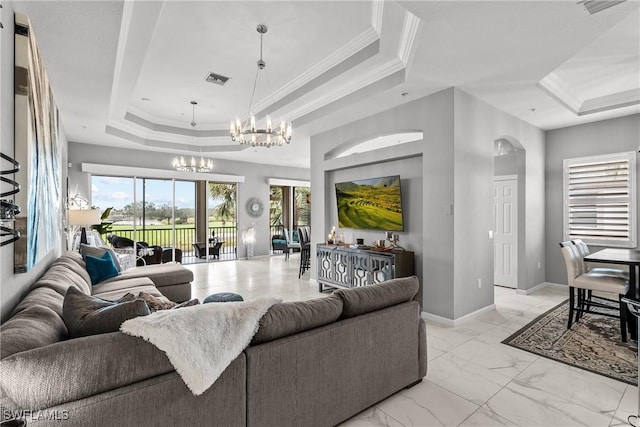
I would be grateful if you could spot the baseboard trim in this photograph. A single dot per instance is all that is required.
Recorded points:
(454, 322)
(540, 286)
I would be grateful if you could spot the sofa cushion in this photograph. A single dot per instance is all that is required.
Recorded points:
(98, 251)
(289, 318)
(88, 315)
(68, 270)
(41, 296)
(364, 299)
(118, 294)
(122, 282)
(33, 327)
(100, 268)
(161, 274)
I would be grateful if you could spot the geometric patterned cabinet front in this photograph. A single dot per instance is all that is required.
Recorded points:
(346, 267)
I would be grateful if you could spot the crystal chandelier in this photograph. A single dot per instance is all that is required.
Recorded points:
(183, 165)
(249, 133)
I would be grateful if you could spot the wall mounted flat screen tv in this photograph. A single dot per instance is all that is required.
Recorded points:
(370, 204)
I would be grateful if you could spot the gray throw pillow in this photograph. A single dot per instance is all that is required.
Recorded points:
(88, 315)
(365, 299)
(290, 318)
(98, 251)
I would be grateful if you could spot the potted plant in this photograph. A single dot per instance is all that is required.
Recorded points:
(105, 226)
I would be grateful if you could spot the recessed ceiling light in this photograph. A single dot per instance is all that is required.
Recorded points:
(145, 99)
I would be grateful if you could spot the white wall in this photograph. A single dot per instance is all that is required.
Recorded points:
(255, 184)
(591, 139)
(14, 286)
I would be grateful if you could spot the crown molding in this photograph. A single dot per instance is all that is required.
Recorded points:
(361, 81)
(410, 29)
(357, 44)
(137, 117)
(377, 12)
(223, 146)
(558, 90)
(136, 32)
(610, 102)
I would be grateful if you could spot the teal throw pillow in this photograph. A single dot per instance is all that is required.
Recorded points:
(98, 251)
(100, 268)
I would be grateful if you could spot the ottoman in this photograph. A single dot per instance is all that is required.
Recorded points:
(223, 297)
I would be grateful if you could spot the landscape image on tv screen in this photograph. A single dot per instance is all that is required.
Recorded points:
(371, 204)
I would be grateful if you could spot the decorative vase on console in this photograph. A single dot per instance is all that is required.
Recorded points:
(332, 236)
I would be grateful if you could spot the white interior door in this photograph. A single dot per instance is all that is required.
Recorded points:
(505, 259)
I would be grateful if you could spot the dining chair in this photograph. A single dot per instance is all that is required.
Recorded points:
(291, 244)
(581, 281)
(583, 250)
(304, 234)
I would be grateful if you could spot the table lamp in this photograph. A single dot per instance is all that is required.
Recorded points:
(84, 218)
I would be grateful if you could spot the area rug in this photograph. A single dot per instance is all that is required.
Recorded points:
(592, 344)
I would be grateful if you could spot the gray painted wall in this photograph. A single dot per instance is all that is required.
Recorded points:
(14, 286)
(255, 185)
(603, 137)
(457, 191)
(410, 171)
(434, 247)
(509, 164)
(477, 125)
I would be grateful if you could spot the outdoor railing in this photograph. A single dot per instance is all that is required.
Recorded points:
(185, 237)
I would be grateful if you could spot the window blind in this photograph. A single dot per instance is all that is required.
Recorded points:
(600, 199)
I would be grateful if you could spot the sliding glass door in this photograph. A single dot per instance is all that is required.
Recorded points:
(290, 208)
(222, 219)
(163, 213)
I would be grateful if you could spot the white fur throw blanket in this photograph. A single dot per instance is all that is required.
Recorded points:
(201, 341)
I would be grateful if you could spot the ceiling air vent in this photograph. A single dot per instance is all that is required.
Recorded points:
(595, 6)
(216, 78)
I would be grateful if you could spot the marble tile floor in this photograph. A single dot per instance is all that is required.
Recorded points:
(472, 379)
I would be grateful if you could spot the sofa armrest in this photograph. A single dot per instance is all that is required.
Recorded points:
(74, 369)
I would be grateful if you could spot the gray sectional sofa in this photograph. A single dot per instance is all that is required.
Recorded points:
(311, 363)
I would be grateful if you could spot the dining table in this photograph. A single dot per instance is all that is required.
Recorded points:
(630, 258)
